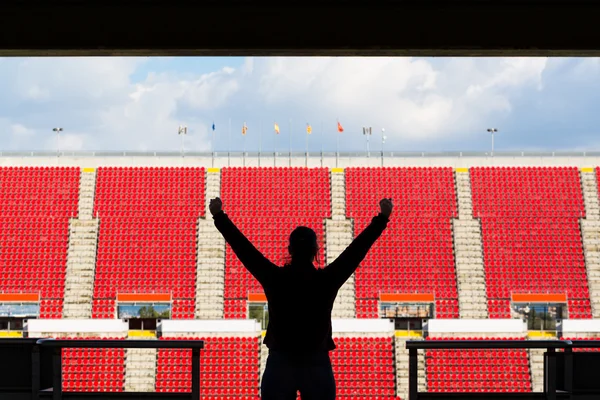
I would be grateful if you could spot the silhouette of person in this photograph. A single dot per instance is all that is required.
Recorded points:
(300, 299)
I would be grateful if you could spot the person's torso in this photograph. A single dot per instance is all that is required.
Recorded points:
(300, 304)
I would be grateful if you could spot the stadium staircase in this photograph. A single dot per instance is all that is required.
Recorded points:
(140, 369)
(590, 232)
(536, 364)
(264, 354)
(338, 234)
(211, 257)
(468, 250)
(401, 354)
(81, 258)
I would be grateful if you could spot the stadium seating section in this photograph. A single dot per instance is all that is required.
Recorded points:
(491, 370)
(93, 370)
(147, 243)
(223, 360)
(267, 204)
(148, 235)
(415, 255)
(35, 206)
(364, 367)
(531, 236)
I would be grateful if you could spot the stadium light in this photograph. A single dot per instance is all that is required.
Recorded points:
(383, 138)
(492, 131)
(182, 132)
(58, 131)
(367, 132)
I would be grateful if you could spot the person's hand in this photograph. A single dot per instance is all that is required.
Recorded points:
(215, 206)
(386, 206)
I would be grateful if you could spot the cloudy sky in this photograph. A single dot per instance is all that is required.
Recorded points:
(424, 104)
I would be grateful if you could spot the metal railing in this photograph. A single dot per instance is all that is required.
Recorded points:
(287, 154)
(58, 344)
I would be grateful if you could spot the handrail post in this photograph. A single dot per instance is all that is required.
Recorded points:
(57, 374)
(551, 377)
(569, 369)
(195, 373)
(35, 372)
(413, 377)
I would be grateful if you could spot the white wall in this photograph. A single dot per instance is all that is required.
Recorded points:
(210, 326)
(362, 326)
(580, 326)
(477, 326)
(38, 326)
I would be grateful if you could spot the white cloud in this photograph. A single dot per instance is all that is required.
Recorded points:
(421, 101)
(414, 98)
(99, 107)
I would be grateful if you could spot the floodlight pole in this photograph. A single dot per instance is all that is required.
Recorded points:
(259, 141)
(290, 138)
(182, 131)
(367, 132)
(383, 137)
(492, 131)
(229, 144)
(58, 131)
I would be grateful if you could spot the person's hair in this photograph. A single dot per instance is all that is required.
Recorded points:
(303, 245)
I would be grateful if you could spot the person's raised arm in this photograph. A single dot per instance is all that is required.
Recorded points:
(346, 263)
(254, 261)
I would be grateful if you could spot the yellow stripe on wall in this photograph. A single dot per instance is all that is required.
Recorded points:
(462, 169)
(140, 333)
(11, 334)
(337, 170)
(89, 170)
(214, 169)
(408, 334)
(587, 169)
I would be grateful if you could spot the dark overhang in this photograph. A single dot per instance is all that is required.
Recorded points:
(290, 27)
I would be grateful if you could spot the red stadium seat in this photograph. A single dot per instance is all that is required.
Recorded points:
(148, 234)
(93, 370)
(267, 204)
(415, 255)
(221, 363)
(36, 204)
(498, 370)
(531, 236)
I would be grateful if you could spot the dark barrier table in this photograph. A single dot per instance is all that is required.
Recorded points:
(550, 367)
(56, 346)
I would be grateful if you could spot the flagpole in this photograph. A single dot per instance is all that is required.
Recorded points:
(213, 144)
(229, 144)
(244, 152)
(337, 148)
(321, 135)
(290, 162)
(276, 143)
(306, 159)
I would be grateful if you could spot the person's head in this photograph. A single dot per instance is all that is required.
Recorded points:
(303, 245)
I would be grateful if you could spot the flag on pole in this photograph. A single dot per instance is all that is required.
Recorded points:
(276, 127)
(244, 129)
(213, 127)
(308, 129)
(339, 127)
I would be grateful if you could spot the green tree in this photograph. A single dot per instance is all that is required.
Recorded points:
(148, 312)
